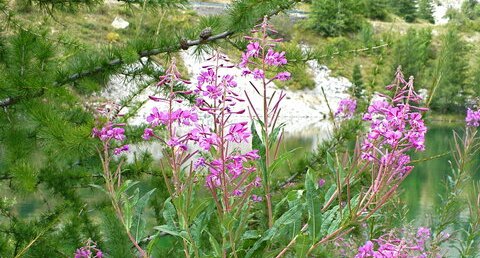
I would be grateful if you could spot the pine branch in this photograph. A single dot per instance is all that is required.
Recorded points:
(183, 44)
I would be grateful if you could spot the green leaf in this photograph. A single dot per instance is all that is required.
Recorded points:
(251, 234)
(257, 144)
(124, 188)
(279, 161)
(331, 163)
(99, 188)
(301, 245)
(200, 224)
(197, 208)
(215, 245)
(138, 218)
(169, 213)
(314, 207)
(291, 216)
(169, 230)
(273, 137)
(328, 219)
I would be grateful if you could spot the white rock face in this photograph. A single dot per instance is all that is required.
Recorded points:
(300, 109)
(120, 23)
(441, 8)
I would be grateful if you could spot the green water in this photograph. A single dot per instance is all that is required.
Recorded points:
(424, 187)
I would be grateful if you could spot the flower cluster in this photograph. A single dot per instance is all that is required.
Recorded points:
(229, 170)
(473, 118)
(391, 246)
(171, 117)
(90, 250)
(262, 48)
(111, 132)
(396, 126)
(182, 116)
(346, 108)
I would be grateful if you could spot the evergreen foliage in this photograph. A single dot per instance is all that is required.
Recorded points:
(425, 10)
(412, 52)
(471, 9)
(407, 9)
(357, 81)
(375, 9)
(448, 92)
(334, 18)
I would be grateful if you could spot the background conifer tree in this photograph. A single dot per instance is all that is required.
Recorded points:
(407, 9)
(448, 92)
(413, 51)
(357, 81)
(333, 18)
(425, 10)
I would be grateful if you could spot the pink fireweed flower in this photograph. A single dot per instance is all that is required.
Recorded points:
(175, 142)
(238, 132)
(109, 132)
(119, 150)
(206, 77)
(256, 198)
(346, 108)
(260, 51)
(90, 250)
(253, 49)
(274, 58)
(392, 245)
(228, 171)
(258, 74)
(200, 162)
(147, 134)
(283, 76)
(396, 126)
(473, 118)
(321, 182)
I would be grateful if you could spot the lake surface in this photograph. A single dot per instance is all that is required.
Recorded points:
(423, 189)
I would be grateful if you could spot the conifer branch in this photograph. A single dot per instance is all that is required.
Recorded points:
(182, 45)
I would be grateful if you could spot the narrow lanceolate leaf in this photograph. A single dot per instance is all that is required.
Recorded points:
(301, 245)
(169, 213)
(257, 144)
(313, 206)
(138, 218)
(215, 245)
(280, 226)
(200, 224)
(273, 137)
(329, 220)
(281, 159)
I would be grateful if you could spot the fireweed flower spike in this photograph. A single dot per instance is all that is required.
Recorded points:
(228, 171)
(346, 108)
(174, 119)
(90, 250)
(473, 118)
(391, 245)
(111, 136)
(259, 57)
(396, 127)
